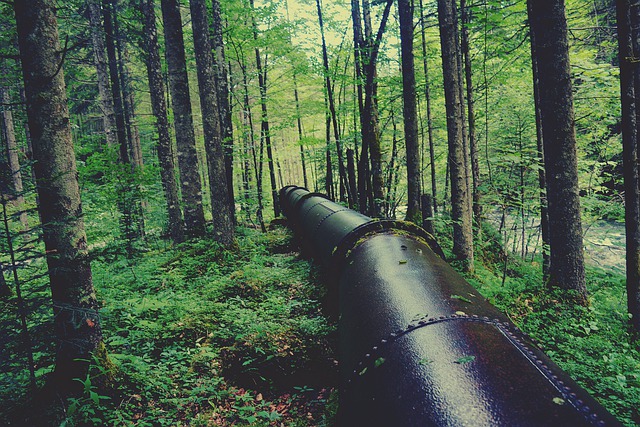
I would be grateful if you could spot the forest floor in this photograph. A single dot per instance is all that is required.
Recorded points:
(604, 243)
(202, 336)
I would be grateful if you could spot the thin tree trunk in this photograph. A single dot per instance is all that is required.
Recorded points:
(473, 150)
(628, 18)
(542, 180)
(427, 95)
(102, 72)
(224, 106)
(133, 137)
(190, 182)
(392, 165)
(427, 213)
(332, 111)
(414, 213)
(159, 108)
(116, 95)
(12, 155)
(76, 318)
(5, 290)
(351, 172)
(265, 133)
(549, 27)
(367, 49)
(328, 180)
(299, 121)
(364, 175)
(221, 211)
(460, 197)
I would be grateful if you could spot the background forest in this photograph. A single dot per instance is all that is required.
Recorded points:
(180, 301)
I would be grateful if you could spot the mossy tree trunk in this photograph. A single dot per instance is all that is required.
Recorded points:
(460, 194)
(427, 95)
(12, 154)
(542, 179)
(159, 108)
(549, 28)
(628, 18)
(102, 72)
(190, 182)
(223, 228)
(77, 323)
(414, 213)
(224, 104)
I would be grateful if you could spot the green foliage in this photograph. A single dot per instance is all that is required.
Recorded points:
(593, 344)
(204, 335)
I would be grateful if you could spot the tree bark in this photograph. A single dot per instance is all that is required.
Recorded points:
(5, 290)
(367, 48)
(628, 18)
(460, 197)
(299, 122)
(473, 151)
(549, 27)
(116, 95)
(427, 95)
(342, 174)
(190, 183)
(542, 180)
(221, 211)
(128, 101)
(159, 108)
(12, 154)
(224, 106)
(265, 132)
(414, 213)
(76, 318)
(102, 71)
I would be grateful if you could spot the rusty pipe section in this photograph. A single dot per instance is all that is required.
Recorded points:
(419, 346)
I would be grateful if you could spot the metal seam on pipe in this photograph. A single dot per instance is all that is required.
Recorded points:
(510, 332)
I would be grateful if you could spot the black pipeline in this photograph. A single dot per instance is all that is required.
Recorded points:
(418, 345)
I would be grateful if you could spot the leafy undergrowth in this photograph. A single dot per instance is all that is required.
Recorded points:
(592, 344)
(208, 337)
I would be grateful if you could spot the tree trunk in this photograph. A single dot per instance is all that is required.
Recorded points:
(116, 95)
(366, 49)
(12, 155)
(628, 19)
(473, 150)
(427, 95)
(76, 318)
(102, 71)
(5, 290)
(427, 213)
(190, 183)
(299, 120)
(224, 106)
(221, 211)
(128, 102)
(328, 178)
(265, 132)
(257, 160)
(332, 111)
(414, 213)
(159, 108)
(460, 197)
(542, 180)
(549, 28)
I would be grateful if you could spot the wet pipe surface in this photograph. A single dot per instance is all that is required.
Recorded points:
(418, 345)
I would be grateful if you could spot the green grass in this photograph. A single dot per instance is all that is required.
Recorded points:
(202, 336)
